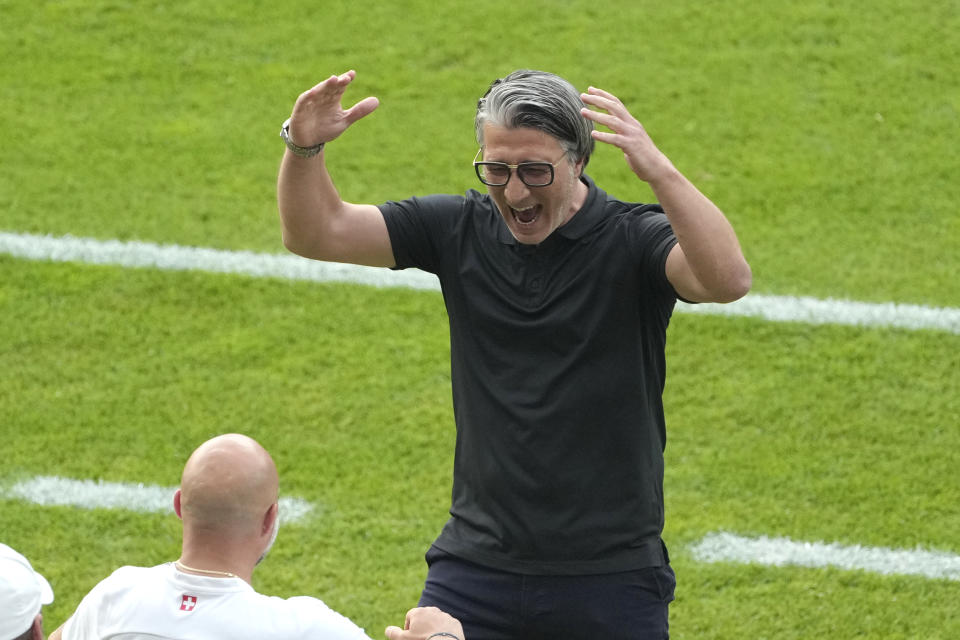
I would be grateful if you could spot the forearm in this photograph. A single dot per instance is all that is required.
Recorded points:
(308, 202)
(708, 241)
(317, 223)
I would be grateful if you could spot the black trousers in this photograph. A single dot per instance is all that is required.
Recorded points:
(497, 605)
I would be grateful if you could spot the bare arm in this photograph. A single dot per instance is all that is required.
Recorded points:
(316, 222)
(57, 633)
(707, 264)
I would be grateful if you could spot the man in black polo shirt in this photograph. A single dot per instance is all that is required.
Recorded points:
(558, 297)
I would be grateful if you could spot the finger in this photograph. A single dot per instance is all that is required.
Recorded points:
(334, 85)
(599, 117)
(343, 81)
(329, 93)
(605, 104)
(363, 108)
(614, 139)
(605, 94)
(587, 98)
(393, 632)
(314, 90)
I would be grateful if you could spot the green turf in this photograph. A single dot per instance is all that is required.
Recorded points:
(841, 439)
(828, 132)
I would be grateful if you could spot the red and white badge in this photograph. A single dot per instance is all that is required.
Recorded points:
(188, 603)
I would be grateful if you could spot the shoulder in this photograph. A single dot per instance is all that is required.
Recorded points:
(638, 217)
(124, 583)
(129, 575)
(433, 203)
(605, 213)
(422, 229)
(644, 230)
(437, 212)
(86, 619)
(306, 617)
(632, 211)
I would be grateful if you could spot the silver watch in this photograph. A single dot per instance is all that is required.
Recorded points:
(303, 152)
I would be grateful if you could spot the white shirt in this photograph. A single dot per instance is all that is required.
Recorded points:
(164, 603)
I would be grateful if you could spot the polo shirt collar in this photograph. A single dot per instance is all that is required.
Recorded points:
(587, 217)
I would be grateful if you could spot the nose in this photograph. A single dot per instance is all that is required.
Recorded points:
(515, 190)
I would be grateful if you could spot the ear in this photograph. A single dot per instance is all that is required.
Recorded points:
(579, 167)
(270, 519)
(37, 627)
(176, 504)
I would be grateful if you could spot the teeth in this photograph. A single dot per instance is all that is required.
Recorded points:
(525, 216)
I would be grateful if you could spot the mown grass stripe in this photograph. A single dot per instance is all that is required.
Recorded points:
(175, 257)
(779, 552)
(145, 498)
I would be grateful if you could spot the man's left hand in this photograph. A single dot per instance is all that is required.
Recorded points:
(626, 133)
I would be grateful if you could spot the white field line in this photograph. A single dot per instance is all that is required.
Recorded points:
(780, 552)
(90, 494)
(175, 257)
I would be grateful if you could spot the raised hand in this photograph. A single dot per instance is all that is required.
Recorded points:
(318, 115)
(626, 133)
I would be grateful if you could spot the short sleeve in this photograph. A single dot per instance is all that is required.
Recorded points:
(418, 228)
(651, 239)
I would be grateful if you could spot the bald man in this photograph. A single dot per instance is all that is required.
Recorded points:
(227, 501)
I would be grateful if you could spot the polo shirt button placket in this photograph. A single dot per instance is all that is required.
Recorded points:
(536, 278)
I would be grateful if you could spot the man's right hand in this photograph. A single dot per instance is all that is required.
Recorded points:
(318, 115)
(424, 621)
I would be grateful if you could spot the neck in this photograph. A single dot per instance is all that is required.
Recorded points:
(204, 572)
(230, 564)
(578, 198)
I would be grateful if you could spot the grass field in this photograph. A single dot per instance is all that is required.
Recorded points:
(828, 132)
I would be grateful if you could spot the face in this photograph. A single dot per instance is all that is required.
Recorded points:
(532, 213)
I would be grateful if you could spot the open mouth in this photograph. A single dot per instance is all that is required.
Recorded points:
(526, 216)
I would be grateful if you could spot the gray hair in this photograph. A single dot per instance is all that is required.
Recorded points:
(542, 101)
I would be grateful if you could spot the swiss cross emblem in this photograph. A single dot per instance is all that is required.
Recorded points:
(188, 603)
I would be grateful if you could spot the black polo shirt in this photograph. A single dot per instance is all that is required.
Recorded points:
(557, 367)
